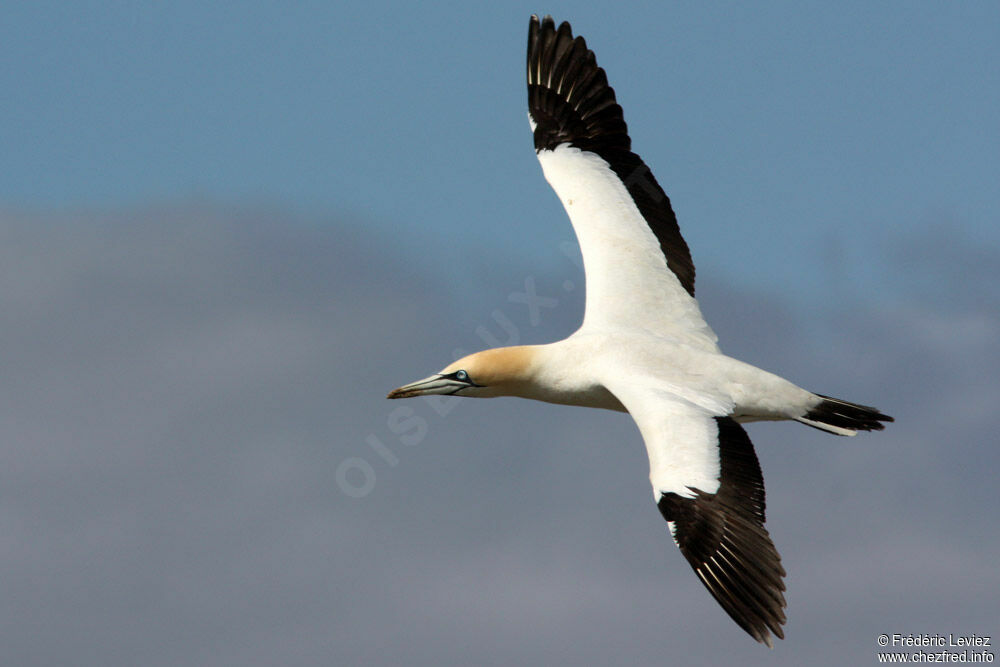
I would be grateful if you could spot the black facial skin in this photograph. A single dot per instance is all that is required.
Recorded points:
(461, 376)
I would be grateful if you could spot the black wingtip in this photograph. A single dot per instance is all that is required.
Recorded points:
(569, 98)
(723, 538)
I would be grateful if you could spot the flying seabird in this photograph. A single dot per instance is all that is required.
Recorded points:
(644, 347)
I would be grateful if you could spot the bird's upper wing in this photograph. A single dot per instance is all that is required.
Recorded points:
(639, 270)
(708, 486)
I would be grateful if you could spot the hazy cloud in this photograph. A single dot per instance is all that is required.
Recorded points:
(181, 385)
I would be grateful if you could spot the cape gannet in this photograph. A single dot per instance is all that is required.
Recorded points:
(644, 348)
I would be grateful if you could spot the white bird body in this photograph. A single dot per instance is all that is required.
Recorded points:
(644, 347)
(581, 369)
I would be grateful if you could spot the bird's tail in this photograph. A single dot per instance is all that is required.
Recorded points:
(843, 418)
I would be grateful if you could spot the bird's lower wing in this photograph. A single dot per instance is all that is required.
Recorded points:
(708, 485)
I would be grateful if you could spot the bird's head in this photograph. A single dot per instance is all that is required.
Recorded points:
(498, 372)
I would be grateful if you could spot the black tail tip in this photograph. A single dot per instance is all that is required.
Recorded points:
(843, 414)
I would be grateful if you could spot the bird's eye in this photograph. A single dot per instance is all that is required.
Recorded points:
(462, 375)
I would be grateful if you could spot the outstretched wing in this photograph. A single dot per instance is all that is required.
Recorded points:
(708, 486)
(639, 269)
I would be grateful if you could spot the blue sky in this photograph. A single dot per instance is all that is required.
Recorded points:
(787, 134)
(228, 229)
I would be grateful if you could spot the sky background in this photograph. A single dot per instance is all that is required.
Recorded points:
(227, 231)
